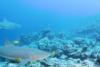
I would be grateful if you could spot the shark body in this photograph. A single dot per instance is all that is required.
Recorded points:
(8, 25)
(24, 53)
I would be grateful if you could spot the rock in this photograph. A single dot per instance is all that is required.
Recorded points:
(3, 64)
(88, 63)
(63, 57)
(63, 63)
(37, 64)
(12, 65)
(52, 61)
(61, 35)
(77, 65)
(79, 40)
(47, 33)
(44, 43)
(33, 45)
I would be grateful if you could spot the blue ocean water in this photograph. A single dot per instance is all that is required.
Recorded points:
(59, 16)
(58, 33)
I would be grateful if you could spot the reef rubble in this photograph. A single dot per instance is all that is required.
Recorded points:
(74, 52)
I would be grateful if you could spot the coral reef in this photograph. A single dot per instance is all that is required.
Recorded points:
(74, 52)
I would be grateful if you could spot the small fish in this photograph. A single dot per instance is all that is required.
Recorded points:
(22, 54)
(8, 25)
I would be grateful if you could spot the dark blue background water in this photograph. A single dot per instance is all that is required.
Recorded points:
(35, 15)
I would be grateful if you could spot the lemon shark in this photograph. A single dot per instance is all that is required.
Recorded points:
(8, 25)
(22, 54)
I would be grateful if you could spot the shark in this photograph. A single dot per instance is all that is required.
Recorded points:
(22, 54)
(8, 25)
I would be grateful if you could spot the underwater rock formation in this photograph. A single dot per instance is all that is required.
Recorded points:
(74, 52)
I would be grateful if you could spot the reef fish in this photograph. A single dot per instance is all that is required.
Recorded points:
(8, 25)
